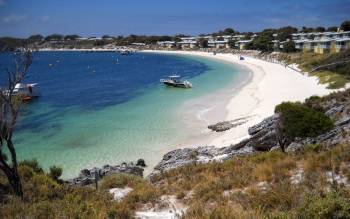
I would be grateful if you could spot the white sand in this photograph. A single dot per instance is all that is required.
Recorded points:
(270, 85)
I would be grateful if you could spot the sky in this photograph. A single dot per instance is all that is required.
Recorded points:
(22, 18)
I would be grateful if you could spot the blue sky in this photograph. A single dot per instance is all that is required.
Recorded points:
(22, 18)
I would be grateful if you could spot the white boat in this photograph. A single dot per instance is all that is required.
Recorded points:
(26, 91)
(174, 81)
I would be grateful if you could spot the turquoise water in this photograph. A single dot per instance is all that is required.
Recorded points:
(145, 125)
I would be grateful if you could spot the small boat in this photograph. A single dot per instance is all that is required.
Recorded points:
(125, 52)
(26, 91)
(174, 81)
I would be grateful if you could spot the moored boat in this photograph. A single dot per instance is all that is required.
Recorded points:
(26, 91)
(174, 81)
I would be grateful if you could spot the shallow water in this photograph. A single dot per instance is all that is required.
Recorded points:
(99, 108)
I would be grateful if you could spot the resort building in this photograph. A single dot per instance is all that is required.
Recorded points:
(242, 43)
(218, 44)
(138, 44)
(188, 44)
(167, 44)
(320, 43)
(308, 45)
(213, 41)
(342, 44)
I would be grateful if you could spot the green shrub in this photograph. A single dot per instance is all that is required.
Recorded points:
(332, 205)
(299, 120)
(55, 173)
(314, 102)
(33, 164)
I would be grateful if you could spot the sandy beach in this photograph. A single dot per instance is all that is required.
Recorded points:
(270, 84)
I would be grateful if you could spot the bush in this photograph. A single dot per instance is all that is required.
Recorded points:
(298, 120)
(141, 163)
(314, 102)
(33, 164)
(55, 173)
(332, 205)
(289, 46)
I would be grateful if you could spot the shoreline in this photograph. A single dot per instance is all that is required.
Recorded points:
(255, 99)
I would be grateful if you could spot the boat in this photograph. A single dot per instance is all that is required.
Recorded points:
(174, 81)
(125, 52)
(26, 91)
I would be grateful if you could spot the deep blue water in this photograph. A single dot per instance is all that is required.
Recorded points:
(92, 80)
(95, 110)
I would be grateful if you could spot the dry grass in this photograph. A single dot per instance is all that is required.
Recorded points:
(255, 186)
(277, 197)
(336, 76)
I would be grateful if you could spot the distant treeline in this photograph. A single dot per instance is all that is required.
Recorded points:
(263, 42)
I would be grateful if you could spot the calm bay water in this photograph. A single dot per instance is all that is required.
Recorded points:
(99, 108)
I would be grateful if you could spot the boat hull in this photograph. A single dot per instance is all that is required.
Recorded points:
(175, 85)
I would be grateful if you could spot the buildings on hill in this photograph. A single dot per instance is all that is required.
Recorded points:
(320, 43)
(316, 42)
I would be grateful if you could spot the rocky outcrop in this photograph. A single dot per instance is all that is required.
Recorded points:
(203, 154)
(226, 125)
(185, 156)
(87, 176)
(263, 135)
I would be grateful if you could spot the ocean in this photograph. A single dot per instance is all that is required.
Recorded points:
(104, 108)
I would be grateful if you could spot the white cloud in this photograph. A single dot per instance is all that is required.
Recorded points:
(13, 18)
(45, 18)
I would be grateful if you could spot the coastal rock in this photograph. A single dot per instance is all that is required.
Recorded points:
(263, 135)
(87, 176)
(266, 125)
(226, 125)
(203, 154)
(181, 157)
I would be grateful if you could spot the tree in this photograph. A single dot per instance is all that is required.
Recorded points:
(308, 29)
(320, 29)
(298, 120)
(107, 37)
(141, 163)
(263, 41)
(229, 31)
(332, 29)
(10, 43)
(285, 33)
(54, 37)
(345, 26)
(9, 107)
(289, 46)
(55, 173)
(203, 43)
(71, 37)
(36, 37)
(232, 43)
